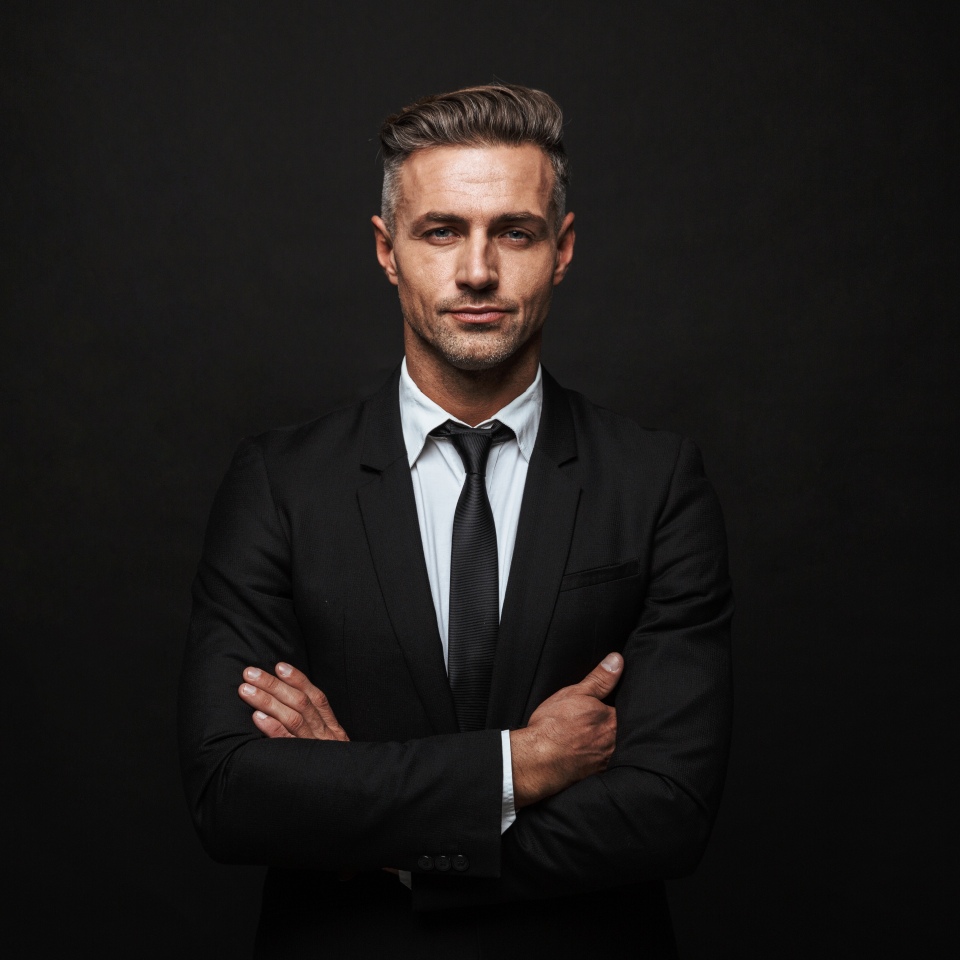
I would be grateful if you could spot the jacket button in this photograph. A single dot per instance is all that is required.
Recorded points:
(425, 862)
(442, 862)
(460, 862)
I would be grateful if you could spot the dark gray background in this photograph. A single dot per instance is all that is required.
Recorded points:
(762, 202)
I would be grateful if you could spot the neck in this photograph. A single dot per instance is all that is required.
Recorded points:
(474, 395)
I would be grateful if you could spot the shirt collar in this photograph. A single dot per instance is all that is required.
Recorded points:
(419, 415)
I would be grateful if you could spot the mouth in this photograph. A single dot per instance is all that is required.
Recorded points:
(479, 315)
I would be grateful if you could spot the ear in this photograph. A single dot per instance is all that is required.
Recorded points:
(565, 241)
(385, 249)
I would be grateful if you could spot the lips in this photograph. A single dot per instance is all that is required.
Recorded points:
(481, 314)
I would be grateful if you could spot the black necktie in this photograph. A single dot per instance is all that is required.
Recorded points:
(474, 576)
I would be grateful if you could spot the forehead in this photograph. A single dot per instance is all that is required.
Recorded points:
(476, 181)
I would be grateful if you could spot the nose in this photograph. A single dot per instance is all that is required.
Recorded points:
(477, 266)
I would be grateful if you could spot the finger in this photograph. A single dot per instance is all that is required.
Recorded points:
(312, 716)
(601, 680)
(281, 689)
(300, 681)
(289, 718)
(290, 695)
(269, 726)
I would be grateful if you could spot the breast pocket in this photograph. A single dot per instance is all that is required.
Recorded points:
(598, 575)
(602, 603)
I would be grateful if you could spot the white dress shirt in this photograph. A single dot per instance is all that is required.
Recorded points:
(438, 475)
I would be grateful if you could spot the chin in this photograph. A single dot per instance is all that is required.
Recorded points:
(475, 365)
(469, 357)
(472, 350)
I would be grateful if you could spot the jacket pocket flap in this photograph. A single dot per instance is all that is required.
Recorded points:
(613, 571)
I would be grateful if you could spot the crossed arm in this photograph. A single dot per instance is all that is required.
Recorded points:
(588, 818)
(570, 736)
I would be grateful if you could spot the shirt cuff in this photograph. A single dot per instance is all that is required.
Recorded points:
(508, 812)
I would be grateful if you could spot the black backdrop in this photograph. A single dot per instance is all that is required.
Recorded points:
(761, 194)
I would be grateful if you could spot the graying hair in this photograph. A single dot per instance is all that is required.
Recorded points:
(492, 115)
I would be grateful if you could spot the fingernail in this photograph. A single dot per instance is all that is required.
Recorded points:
(284, 669)
(252, 673)
(612, 662)
(247, 690)
(259, 714)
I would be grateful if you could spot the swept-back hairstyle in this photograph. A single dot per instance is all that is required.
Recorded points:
(492, 115)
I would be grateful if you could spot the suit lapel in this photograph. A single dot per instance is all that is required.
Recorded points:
(547, 518)
(389, 512)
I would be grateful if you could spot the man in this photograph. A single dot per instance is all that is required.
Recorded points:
(417, 775)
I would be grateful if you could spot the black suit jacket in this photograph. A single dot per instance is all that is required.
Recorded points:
(313, 555)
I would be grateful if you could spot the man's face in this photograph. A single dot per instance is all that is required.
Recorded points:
(474, 253)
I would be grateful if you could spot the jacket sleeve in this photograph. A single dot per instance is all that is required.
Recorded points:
(649, 815)
(304, 803)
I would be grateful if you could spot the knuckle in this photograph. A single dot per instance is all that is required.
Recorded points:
(590, 681)
(596, 684)
(295, 723)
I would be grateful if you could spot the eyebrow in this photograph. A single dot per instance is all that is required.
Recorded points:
(518, 216)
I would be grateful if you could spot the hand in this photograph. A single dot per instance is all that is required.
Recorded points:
(570, 736)
(289, 705)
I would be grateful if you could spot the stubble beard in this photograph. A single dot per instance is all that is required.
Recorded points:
(480, 349)
(472, 348)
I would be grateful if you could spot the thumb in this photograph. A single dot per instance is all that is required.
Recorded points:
(603, 677)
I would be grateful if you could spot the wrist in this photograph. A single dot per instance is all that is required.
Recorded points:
(530, 767)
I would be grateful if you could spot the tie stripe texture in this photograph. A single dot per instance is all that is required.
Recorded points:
(474, 620)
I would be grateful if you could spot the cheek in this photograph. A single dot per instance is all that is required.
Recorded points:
(536, 286)
(422, 282)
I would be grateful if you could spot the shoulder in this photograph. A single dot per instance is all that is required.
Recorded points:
(307, 455)
(642, 471)
(605, 436)
(321, 436)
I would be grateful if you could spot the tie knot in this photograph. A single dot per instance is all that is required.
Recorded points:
(473, 443)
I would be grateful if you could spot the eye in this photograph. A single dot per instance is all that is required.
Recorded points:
(440, 233)
(517, 235)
